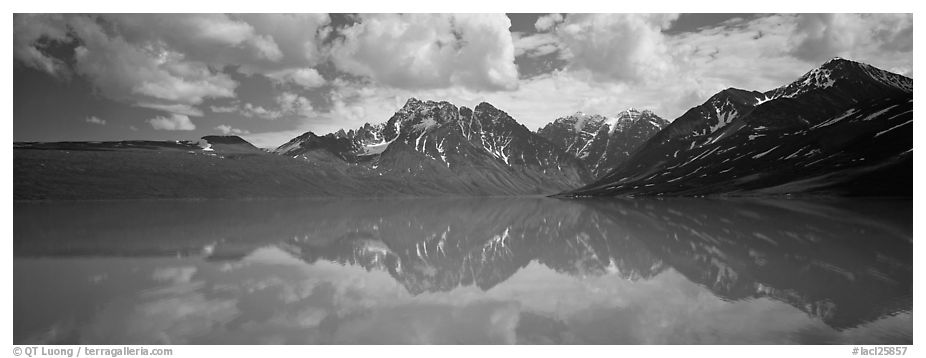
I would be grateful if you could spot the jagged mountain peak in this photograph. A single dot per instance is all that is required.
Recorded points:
(580, 121)
(415, 105)
(635, 114)
(485, 107)
(630, 112)
(601, 142)
(432, 142)
(412, 101)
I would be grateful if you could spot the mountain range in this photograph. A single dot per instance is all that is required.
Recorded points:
(479, 151)
(603, 143)
(844, 128)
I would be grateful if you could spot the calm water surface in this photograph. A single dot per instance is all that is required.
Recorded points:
(532, 270)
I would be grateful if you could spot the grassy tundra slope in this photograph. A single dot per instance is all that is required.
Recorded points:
(136, 170)
(214, 167)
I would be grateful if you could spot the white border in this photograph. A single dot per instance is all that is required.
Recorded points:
(464, 6)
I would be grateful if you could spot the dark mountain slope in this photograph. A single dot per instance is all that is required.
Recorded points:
(840, 129)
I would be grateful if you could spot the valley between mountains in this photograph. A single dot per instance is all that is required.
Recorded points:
(844, 128)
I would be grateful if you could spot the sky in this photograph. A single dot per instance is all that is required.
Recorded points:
(272, 77)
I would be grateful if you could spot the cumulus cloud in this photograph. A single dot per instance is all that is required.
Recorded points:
(291, 103)
(172, 62)
(819, 37)
(547, 22)
(417, 51)
(620, 60)
(28, 29)
(95, 120)
(535, 45)
(288, 104)
(151, 74)
(226, 130)
(223, 109)
(210, 38)
(298, 36)
(177, 108)
(307, 78)
(174, 122)
(249, 110)
(617, 47)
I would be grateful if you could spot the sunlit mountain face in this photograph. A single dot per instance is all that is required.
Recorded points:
(478, 270)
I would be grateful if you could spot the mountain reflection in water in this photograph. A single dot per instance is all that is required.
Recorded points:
(480, 270)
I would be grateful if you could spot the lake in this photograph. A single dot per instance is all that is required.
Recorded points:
(464, 271)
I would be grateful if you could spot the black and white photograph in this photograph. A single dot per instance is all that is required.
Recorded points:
(458, 178)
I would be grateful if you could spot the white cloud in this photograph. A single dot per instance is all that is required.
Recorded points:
(291, 103)
(535, 45)
(250, 110)
(226, 130)
(177, 108)
(27, 30)
(617, 47)
(95, 120)
(819, 37)
(298, 36)
(419, 51)
(175, 62)
(216, 39)
(223, 109)
(307, 78)
(547, 22)
(172, 62)
(176, 122)
(150, 74)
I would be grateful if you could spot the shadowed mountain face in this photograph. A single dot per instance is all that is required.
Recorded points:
(842, 263)
(448, 149)
(844, 128)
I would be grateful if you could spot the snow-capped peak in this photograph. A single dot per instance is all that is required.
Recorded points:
(837, 69)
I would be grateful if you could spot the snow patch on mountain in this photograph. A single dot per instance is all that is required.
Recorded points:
(425, 124)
